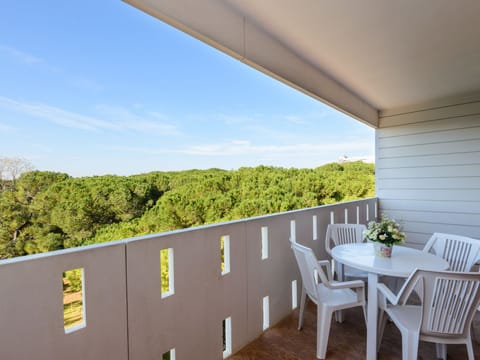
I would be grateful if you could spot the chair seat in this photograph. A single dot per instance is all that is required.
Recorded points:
(337, 298)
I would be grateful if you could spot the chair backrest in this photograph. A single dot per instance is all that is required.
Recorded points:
(343, 234)
(449, 301)
(460, 252)
(310, 271)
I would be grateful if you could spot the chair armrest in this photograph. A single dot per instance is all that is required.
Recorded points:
(387, 293)
(346, 284)
(328, 265)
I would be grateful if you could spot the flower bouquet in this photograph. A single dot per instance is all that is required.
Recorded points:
(385, 234)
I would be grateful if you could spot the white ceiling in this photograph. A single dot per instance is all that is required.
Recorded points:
(366, 58)
(392, 54)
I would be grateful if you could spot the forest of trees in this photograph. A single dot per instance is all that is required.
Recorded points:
(44, 211)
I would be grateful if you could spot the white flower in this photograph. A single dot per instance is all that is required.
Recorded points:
(386, 230)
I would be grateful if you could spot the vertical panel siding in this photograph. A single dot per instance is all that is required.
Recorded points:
(428, 170)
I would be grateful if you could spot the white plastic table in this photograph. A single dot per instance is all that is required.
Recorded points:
(402, 263)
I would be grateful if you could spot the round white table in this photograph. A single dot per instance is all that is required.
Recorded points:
(403, 262)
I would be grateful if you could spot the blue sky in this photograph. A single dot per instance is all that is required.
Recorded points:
(95, 87)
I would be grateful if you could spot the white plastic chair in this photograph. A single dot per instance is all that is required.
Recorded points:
(460, 252)
(449, 302)
(328, 295)
(339, 234)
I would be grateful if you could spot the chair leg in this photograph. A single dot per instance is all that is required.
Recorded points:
(339, 315)
(410, 341)
(441, 351)
(324, 320)
(469, 349)
(364, 308)
(303, 300)
(382, 321)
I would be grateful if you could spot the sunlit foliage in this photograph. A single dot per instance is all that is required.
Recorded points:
(45, 211)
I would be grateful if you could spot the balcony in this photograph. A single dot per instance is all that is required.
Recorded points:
(246, 286)
(426, 111)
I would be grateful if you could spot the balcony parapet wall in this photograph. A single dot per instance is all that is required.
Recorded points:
(126, 315)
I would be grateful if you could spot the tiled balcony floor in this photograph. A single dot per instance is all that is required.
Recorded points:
(346, 342)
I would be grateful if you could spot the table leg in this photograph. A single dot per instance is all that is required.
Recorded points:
(339, 270)
(372, 315)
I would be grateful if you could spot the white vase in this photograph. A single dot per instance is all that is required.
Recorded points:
(382, 250)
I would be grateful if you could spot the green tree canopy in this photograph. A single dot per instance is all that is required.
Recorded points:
(46, 211)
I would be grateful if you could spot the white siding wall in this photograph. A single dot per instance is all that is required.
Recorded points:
(428, 169)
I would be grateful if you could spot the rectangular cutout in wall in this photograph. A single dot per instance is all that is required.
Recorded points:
(167, 287)
(266, 313)
(367, 212)
(358, 214)
(227, 337)
(314, 228)
(225, 254)
(264, 242)
(346, 216)
(293, 231)
(376, 210)
(332, 217)
(74, 314)
(294, 294)
(169, 355)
